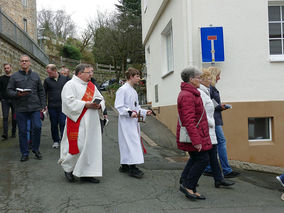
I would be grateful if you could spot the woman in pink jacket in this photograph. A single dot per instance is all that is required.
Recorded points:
(191, 112)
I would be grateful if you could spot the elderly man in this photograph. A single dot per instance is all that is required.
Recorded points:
(25, 86)
(65, 71)
(7, 102)
(81, 145)
(53, 85)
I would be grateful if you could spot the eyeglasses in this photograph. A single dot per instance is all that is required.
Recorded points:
(24, 60)
(88, 72)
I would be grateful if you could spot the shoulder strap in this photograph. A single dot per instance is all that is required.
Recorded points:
(197, 122)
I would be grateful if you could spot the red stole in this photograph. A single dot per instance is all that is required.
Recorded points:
(73, 127)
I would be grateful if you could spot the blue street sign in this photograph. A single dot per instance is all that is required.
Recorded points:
(212, 44)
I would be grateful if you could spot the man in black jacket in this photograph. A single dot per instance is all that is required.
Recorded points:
(7, 102)
(53, 86)
(25, 86)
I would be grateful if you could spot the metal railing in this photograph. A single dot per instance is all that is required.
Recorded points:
(11, 32)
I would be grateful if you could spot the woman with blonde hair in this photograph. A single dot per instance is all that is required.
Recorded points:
(204, 90)
(219, 107)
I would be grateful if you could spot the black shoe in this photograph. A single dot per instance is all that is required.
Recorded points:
(4, 137)
(200, 197)
(187, 194)
(232, 174)
(89, 179)
(135, 172)
(24, 158)
(124, 168)
(13, 135)
(37, 155)
(69, 176)
(224, 183)
(208, 174)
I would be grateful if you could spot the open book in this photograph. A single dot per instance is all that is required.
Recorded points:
(23, 90)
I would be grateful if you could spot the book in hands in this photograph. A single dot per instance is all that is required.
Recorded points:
(97, 101)
(23, 90)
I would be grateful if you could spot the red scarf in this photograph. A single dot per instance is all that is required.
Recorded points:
(73, 127)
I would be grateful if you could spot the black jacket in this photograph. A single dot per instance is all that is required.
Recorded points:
(4, 80)
(53, 90)
(35, 100)
(214, 94)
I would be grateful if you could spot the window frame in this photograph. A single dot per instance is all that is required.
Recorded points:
(25, 3)
(270, 131)
(276, 57)
(25, 21)
(167, 50)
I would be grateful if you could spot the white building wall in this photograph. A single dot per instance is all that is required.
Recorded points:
(169, 86)
(247, 73)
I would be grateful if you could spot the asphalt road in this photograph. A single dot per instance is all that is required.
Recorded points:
(40, 186)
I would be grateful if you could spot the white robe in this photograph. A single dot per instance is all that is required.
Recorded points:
(128, 128)
(88, 162)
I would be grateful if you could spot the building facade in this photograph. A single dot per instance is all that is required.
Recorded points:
(23, 12)
(251, 75)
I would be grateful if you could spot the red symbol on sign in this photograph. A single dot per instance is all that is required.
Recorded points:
(210, 38)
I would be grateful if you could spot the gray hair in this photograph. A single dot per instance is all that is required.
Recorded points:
(81, 68)
(190, 72)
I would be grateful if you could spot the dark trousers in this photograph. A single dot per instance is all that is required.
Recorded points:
(194, 169)
(214, 163)
(6, 105)
(22, 118)
(57, 118)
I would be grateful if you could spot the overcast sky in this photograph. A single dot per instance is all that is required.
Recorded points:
(81, 11)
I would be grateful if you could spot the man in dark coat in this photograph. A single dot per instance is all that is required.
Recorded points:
(53, 85)
(7, 102)
(25, 86)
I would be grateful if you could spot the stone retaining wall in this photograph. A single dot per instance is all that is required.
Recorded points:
(11, 54)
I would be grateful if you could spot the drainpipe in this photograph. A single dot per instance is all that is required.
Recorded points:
(189, 17)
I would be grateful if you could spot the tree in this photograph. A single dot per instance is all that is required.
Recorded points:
(119, 36)
(56, 24)
(69, 51)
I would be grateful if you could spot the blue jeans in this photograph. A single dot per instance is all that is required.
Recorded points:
(56, 118)
(22, 118)
(222, 151)
(282, 178)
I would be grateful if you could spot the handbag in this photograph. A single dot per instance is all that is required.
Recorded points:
(183, 134)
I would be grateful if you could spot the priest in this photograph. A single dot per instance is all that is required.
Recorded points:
(81, 145)
(130, 143)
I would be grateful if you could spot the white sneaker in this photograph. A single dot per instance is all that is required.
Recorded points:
(279, 179)
(55, 145)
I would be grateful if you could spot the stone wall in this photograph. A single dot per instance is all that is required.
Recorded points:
(18, 12)
(11, 54)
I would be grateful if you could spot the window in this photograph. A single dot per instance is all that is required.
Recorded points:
(156, 93)
(167, 49)
(276, 32)
(25, 25)
(24, 2)
(259, 129)
(170, 55)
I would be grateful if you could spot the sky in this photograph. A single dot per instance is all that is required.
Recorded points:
(81, 11)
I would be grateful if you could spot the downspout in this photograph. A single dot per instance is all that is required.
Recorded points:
(189, 45)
